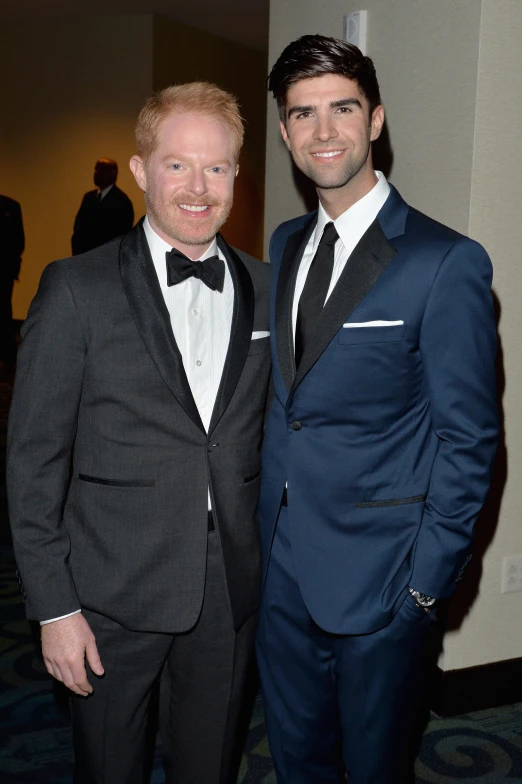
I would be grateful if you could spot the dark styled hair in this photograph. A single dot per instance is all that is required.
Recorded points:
(317, 55)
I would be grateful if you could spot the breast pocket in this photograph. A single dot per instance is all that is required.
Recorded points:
(352, 336)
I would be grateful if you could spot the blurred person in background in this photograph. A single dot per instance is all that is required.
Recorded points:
(12, 242)
(105, 212)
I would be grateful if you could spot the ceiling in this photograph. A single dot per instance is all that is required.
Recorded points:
(243, 21)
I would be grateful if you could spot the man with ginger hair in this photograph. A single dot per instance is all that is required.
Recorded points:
(134, 463)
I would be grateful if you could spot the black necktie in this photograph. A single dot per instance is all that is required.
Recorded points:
(179, 267)
(315, 290)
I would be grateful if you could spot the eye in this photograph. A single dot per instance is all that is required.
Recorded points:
(303, 115)
(175, 166)
(344, 109)
(217, 169)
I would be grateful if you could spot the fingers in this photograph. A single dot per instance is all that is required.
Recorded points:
(78, 682)
(93, 657)
(52, 670)
(71, 675)
(65, 644)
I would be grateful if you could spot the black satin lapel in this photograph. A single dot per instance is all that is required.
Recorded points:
(240, 331)
(152, 317)
(367, 262)
(292, 255)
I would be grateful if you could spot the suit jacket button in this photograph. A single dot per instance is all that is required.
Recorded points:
(296, 425)
(211, 447)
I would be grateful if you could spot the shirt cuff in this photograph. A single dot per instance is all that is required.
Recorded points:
(52, 620)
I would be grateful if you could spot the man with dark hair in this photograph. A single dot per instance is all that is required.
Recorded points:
(380, 439)
(105, 212)
(12, 242)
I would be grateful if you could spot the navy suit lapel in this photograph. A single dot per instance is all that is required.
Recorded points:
(292, 255)
(367, 262)
(240, 332)
(151, 315)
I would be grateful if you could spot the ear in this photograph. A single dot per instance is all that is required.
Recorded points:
(137, 167)
(376, 123)
(284, 134)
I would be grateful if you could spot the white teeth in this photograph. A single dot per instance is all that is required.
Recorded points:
(194, 207)
(326, 154)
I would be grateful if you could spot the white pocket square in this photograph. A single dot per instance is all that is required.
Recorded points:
(373, 324)
(257, 335)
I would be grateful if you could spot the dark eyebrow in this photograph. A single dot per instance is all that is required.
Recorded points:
(299, 109)
(333, 105)
(346, 102)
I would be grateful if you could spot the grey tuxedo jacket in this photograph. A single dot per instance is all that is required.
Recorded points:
(108, 461)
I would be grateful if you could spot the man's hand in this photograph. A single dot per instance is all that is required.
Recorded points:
(65, 644)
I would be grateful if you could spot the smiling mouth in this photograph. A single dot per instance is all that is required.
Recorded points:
(328, 154)
(194, 207)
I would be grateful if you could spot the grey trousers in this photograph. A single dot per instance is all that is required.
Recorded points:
(204, 673)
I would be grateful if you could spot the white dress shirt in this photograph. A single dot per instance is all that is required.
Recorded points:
(351, 226)
(103, 193)
(201, 320)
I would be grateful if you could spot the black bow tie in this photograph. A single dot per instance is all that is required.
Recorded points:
(179, 267)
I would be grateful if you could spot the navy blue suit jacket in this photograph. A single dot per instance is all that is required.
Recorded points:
(394, 428)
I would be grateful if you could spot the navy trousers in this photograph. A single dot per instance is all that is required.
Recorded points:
(335, 703)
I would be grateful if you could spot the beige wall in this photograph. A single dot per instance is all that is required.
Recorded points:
(75, 87)
(493, 629)
(451, 80)
(73, 91)
(200, 56)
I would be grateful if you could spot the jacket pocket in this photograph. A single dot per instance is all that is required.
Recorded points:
(252, 478)
(361, 335)
(414, 499)
(117, 482)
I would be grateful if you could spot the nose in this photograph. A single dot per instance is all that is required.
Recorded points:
(197, 183)
(325, 128)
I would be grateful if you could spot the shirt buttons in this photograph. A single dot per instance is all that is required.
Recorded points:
(198, 362)
(194, 312)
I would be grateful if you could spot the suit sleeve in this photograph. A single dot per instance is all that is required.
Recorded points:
(18, 231)
(458, 349)
(275, 249)
(129, 217)
(41, 433)
(13, 239)
(77, 239)
(120, 217)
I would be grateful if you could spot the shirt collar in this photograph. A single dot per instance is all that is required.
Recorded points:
(105, 191)
(158, 247)
(362, 213)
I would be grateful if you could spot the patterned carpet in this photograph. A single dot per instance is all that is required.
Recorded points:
(35, 736)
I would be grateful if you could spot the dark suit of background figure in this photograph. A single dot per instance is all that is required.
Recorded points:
(99, 221)
(122, 530)
(386, 437)
(12, 242)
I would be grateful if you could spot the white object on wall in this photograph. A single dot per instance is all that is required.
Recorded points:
(355, 25)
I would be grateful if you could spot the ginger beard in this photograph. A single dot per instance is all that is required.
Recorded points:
(183, 225)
